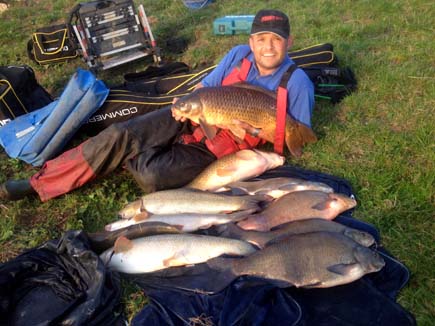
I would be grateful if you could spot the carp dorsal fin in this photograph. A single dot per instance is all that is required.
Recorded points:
(254, 87)
(141, 216)
(122, 244)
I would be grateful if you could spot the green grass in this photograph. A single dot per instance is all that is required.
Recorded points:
(381, 138)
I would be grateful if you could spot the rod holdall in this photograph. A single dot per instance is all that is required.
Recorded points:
(20, 93)
(52, 44)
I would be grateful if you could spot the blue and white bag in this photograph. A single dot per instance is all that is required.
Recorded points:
(39, 135)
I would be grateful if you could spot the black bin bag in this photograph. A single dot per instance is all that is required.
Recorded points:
(198, 295)
(62, 282)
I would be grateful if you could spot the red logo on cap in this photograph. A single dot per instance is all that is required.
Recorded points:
(270, 18)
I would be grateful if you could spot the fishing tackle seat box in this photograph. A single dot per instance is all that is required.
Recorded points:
(109, 33)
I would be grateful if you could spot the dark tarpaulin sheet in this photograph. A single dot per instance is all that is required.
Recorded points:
(59, 283)
(192, 295)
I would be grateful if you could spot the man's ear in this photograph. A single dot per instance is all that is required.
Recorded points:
(250, 42)
(289, 42)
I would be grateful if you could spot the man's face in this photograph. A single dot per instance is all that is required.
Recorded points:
(269, 51)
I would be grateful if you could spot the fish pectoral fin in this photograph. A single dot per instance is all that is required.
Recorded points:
(141, 216)
(226, 171)
(209, 130)
(314, 284)
(122, 244)
(280, 283)
(344, 269)
(206, 226)
(326, 204)
(177, 259)
(321, 206)
(179, 227)
(239, 133)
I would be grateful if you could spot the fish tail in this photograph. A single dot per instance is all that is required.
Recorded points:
(256, 202)
(297, 137)
(231, 230)
(224, 266)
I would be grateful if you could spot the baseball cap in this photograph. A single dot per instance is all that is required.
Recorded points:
(272, 21)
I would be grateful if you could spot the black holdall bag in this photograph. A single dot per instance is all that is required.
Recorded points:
(142, 93)
(51, 44)
(20, 92)
(155, 87)
(122, 105)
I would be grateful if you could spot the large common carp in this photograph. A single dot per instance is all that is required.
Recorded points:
(220, 106)
(299, 205)
(148, 254)
(185, 200)
(310, 260)
(237, 166)
(260, 238)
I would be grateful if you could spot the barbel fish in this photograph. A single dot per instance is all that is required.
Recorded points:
(240, 165)
(148, 254)
(186, 200)
(275, 187)
(187, 222)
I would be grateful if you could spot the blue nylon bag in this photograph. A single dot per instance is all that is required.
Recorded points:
(40, 135)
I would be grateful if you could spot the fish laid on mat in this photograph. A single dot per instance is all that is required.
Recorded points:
(148, 254)
(275, 187)
(186, 200)
(261, 238)
(237, 166)
(187, 222)
(309, 260)
(297, 206)
(103, 240)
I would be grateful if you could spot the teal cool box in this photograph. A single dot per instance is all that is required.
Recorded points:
(231, 25)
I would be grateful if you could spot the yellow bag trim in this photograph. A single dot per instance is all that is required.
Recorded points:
(134, 102)
(36, 40)
(10, 88)
(7, 107)
(56, 59)
(151, 97)
(314, 63)
(189, 79)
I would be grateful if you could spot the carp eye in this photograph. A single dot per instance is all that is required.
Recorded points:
(185, 106)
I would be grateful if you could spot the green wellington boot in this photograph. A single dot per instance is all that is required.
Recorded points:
(16, 189)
